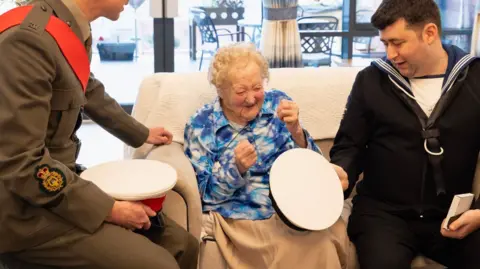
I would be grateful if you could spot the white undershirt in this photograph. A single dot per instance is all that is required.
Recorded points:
(427, 92)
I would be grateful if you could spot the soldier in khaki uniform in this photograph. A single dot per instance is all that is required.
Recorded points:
(48, 214)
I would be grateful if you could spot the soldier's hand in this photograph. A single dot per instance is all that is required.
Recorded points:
(159, 136)
(131, 215)
(245, 156)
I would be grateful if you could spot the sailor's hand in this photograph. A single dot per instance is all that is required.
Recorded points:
(467, 223)
(342, 175)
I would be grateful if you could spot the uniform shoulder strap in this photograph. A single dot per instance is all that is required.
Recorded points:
(70, 45)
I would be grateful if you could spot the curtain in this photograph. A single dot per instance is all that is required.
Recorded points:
(280, 42)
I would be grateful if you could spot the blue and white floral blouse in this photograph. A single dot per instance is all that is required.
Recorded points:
(210, 140)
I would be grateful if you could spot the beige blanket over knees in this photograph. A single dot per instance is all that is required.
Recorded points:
(271, 244)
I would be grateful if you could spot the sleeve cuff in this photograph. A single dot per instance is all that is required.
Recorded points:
(142, 138)
(310, 142)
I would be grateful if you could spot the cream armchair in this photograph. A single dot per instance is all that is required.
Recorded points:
(170, 99)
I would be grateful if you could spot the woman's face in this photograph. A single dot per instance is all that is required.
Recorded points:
(243, 99)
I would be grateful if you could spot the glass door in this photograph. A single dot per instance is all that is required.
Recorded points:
(123, 51)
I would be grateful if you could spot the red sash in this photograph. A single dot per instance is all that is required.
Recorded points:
(72, 48)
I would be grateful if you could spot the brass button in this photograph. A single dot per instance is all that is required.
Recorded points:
(69, 24)
(43, 8)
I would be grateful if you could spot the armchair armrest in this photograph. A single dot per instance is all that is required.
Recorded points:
(186, 185)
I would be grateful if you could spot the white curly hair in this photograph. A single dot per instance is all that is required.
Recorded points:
(230, 56)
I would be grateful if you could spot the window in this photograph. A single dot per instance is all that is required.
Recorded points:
(457, 21)
(336, 3)
(6, 6)
(457, 14)
(364, 10)
(123, 51)
(321, 8)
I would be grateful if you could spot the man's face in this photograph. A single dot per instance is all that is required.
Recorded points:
(112, 8)
(405, 48)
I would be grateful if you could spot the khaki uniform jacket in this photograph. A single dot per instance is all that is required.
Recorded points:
(41, 196)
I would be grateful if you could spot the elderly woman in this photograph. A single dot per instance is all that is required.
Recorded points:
(232, 144)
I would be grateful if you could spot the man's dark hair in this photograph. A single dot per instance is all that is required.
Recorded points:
(417, 13)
